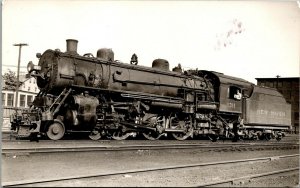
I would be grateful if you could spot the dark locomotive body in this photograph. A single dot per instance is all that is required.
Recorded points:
(114, 99)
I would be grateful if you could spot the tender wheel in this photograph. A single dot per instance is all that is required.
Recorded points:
(252, 135)
(56, 130)
(95, 135)
(213, 137)
(260, 135)
(182, 124)
(268, 136)
(278, 138)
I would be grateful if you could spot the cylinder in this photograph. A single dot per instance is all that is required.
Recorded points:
(72, 46)
(47, 116)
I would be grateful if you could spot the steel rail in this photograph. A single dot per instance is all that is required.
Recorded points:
(7, 151)
(232, 180)
(173, 144)
(122, 172)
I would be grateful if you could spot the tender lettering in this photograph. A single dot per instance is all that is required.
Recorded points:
(270, 113)
(280, 114)
(262, 112)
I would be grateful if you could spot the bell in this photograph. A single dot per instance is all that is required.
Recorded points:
(134, 59)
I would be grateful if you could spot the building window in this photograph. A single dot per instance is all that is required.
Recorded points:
(22, 100)
(28, 88)
(10, 99)
(267, 84)
(296, 95)
(287, 84)
(3, 99)
(296, 106)
(279, 84)
(29, 100)
(295, 84)
(271, 84)
(296, 116)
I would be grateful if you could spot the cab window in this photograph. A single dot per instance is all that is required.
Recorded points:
(235, 93)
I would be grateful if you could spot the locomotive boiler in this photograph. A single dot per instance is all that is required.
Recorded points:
(106, 97)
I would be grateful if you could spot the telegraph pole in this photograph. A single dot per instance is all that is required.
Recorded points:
(18, 72)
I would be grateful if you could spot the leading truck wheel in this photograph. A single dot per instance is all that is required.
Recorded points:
(56, 130)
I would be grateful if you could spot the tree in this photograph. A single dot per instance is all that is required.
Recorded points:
(10, 80)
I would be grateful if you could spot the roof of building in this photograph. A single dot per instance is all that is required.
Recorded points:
(279, 78)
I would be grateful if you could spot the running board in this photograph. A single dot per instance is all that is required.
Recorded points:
(266, 127)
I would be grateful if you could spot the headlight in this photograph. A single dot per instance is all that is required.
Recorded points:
(31, 67)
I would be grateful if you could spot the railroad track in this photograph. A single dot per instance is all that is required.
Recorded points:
(285, 139)
(249, 177)
(8, 138)
(215, 147)
(48, 181)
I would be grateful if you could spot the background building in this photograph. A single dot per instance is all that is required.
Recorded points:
(289, 87)
(27, 91)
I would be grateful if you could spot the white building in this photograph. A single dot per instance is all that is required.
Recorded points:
(27, 92)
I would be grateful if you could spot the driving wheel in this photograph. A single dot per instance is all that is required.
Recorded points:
(119, 135)
(185, 124)
(154, 122)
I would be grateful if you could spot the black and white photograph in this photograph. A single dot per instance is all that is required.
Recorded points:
(127, 93)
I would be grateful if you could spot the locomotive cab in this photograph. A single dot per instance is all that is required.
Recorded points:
(231, 90)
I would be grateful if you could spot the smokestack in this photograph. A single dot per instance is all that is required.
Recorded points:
(72, 46)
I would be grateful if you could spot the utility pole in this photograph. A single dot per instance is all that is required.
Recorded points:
(18, 72)
(277, 76)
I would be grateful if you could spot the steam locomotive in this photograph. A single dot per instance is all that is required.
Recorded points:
(108, 98)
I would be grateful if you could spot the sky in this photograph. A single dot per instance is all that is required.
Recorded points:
(245, 39)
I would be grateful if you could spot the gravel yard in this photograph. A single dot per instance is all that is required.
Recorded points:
(194, 177)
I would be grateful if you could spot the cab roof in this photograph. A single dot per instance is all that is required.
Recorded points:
(225, 79)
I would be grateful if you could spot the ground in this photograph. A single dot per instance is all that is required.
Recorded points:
(41, 166)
